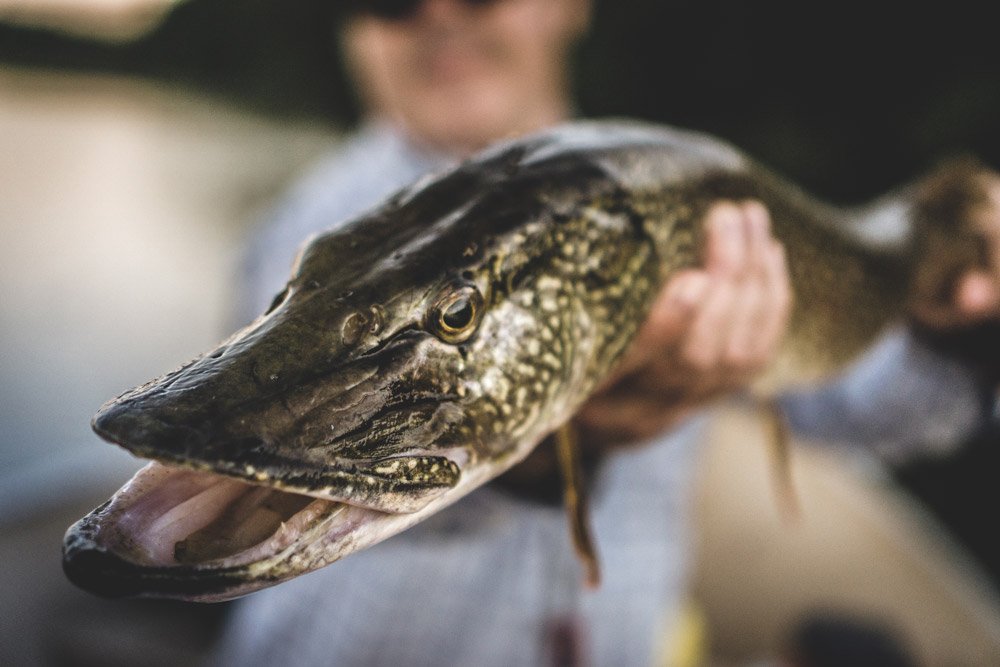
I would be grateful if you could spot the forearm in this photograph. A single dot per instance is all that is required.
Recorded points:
(902, 397)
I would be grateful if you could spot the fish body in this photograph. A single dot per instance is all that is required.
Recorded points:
(426, 347)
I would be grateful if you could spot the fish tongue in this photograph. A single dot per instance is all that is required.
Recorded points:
(249, 520)
(188, 517)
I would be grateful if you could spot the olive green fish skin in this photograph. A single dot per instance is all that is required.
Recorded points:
(351, 388)
(308, 398)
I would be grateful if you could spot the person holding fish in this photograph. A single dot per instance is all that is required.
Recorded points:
(493, 580)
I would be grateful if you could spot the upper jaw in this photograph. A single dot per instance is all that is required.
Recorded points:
(398, 480)
(360, 434)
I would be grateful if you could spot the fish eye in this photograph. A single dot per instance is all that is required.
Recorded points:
(456, 314)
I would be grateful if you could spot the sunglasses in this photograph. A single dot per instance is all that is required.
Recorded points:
(399, 10)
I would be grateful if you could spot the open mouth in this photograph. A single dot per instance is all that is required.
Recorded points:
(176, 532)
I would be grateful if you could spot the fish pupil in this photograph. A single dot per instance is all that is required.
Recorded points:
(458, 314)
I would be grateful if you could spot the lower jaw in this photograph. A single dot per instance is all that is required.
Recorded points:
(111, 552)
(172, 532)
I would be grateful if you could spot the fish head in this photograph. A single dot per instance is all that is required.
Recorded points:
(413, 355)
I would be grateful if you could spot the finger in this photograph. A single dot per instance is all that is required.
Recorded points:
(757, 223)
(772, 319)
(977, 294)
(753, 302)
(726, 256)
(726, 243)
(988, 222)
(712, 326)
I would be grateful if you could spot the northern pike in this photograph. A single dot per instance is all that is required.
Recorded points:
(426, 347)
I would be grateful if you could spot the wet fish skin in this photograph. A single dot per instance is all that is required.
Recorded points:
(429, 345)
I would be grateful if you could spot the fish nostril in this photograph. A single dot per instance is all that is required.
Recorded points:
(362, 323)
(355, 326)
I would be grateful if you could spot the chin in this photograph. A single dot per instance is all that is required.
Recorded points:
(464, 122)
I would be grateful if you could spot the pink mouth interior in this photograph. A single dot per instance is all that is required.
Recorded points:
(171, 516)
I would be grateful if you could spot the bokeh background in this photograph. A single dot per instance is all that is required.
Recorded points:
(141, 140)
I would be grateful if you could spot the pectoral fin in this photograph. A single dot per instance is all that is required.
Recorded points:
(575, 499)
(779, 442)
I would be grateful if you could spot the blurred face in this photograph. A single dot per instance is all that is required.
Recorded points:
(457, 75)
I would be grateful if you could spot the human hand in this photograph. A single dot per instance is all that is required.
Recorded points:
(975, 296)
(710, 330)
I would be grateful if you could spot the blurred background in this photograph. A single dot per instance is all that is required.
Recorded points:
(141, 140)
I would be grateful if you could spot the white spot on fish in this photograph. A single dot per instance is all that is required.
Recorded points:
(548, 284)
(386, 469)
